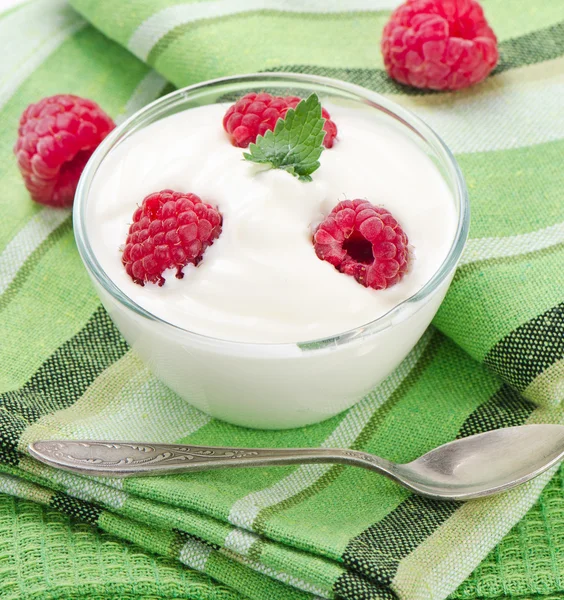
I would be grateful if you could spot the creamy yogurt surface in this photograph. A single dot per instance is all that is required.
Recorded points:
(261, 281)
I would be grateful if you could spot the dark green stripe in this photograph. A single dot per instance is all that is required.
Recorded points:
(177, 543)
(62, 378)
(358, 588)
(11, 428)
(32, 261)
(530, 349)
(255, 551)
(367, 432)
(75, 508)
(376, 80)
(377, 552)
(169, 88)
(532, 48)
(8, 456)
(506, 408)
(539, 46)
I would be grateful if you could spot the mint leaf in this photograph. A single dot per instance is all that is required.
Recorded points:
(296, 143)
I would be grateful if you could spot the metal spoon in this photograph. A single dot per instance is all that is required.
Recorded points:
(472, 467)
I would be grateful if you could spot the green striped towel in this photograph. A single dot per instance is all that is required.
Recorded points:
(495, 356)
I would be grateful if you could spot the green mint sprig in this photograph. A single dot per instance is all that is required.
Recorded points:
(296, 143)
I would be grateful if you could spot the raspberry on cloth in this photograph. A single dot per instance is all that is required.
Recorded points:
(56, 137)
(439, 44)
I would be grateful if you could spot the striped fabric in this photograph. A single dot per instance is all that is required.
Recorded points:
(494, 358)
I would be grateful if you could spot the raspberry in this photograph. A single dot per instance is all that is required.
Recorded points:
(56, 137)
(439, 44)
(169, 230)
(255, 114)
(364, 241)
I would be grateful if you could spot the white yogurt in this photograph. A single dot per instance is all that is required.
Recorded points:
(261, 280)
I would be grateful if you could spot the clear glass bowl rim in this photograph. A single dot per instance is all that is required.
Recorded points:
(379, 102)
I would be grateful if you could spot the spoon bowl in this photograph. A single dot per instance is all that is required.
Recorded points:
(484, 464)
(472, 467)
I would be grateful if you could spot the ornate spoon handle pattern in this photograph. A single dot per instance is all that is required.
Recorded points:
(120, 459)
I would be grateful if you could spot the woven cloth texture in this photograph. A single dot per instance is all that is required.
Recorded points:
(494, 357)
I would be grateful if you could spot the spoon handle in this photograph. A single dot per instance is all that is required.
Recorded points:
(126, 459)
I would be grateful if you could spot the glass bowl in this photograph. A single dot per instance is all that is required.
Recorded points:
(276, 385)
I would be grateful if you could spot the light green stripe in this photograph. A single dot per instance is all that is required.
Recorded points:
(148, 34)
(472, 122)
(549, 385)
(148, 89)
(28, 36)
(89, 490)
(308, 567)
(478, 249)
(286, 39)
(537, 68)
(244, 512)
(31, 262)
(440, 564)
(523, 193)
(291, 580)
(215, 492)
(24, 30)
(247, 581)
(20, 488)
(26, 241)
(195, 554)
(125, 402)
(430, 412)
(27, 341)
(518, 17)
(488, 289)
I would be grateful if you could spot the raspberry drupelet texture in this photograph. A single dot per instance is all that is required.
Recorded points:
(255, 114)
(169, 230)
(364, 241)
(56, 137)
(439, 44)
